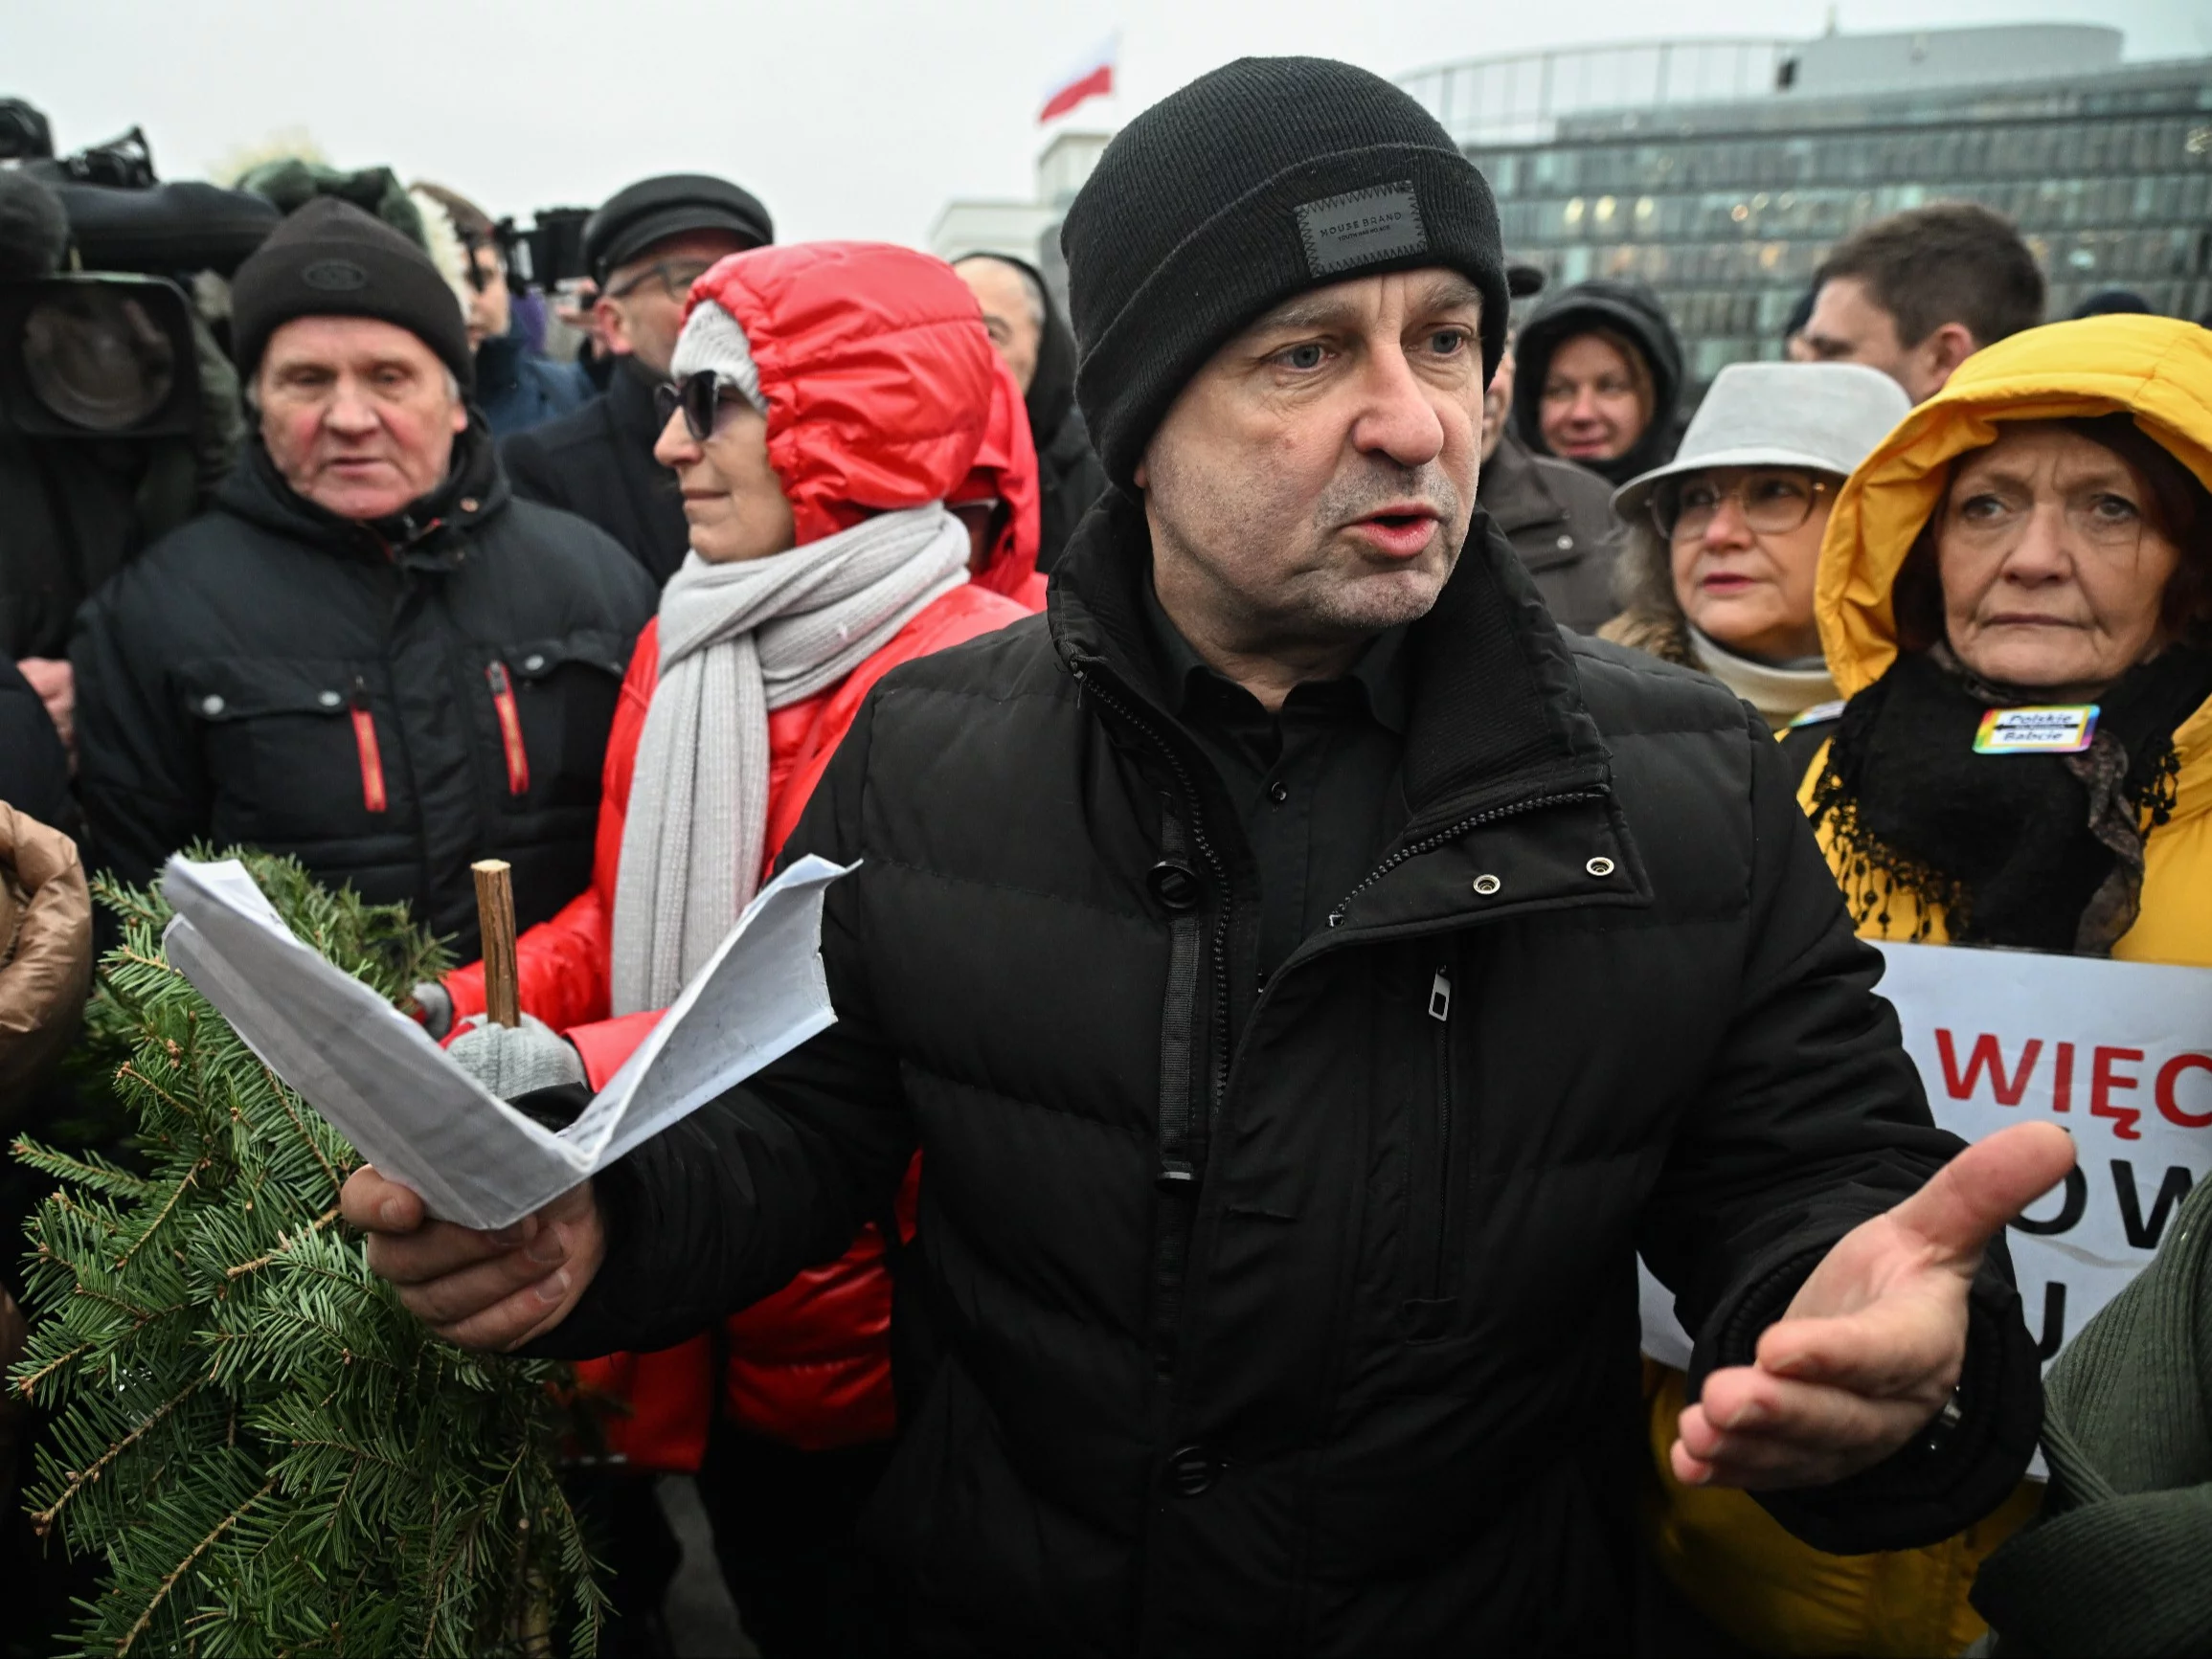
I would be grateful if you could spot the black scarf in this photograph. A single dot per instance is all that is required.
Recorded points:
(2040, 851)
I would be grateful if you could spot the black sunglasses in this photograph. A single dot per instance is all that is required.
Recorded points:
(699, 395)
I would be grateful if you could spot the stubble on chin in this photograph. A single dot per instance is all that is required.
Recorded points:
(1365, 594)
(1369, 601)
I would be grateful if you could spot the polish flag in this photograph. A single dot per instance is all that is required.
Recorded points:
(1093, 77)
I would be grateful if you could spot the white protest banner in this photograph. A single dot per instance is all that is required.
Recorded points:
(2119, 1053)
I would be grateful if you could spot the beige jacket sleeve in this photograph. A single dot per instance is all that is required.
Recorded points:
(45, 952)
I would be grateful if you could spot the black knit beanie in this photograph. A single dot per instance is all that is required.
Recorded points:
(1264, 178)
(331, 260)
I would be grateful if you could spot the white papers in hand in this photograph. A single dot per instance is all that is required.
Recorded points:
(425, 1122)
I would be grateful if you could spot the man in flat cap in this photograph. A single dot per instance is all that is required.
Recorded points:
(646, 247)
(367, 653)
(1311, 978)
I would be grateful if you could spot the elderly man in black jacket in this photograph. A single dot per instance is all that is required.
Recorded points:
(367, 653)
(1311, 980)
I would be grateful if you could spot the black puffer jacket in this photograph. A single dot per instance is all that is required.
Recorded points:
(1627, 308)
(597, 462)
(273, 675)
(1367, 1380)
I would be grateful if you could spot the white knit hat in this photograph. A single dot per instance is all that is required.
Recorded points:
(1827, 416)
(712, 338)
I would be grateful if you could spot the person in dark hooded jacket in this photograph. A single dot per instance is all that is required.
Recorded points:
(369, 654)
(1558, 517)
(1600, 379)
(1037, 346)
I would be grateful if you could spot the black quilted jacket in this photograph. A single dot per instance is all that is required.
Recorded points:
(389, 702)
(1304, 1319)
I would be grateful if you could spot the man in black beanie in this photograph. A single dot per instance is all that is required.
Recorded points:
(367, 652)
(1310, 980)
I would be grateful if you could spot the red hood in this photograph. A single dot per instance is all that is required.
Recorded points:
(883, 389)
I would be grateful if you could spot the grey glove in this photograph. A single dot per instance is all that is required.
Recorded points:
(436, 1005)
(511, 1061)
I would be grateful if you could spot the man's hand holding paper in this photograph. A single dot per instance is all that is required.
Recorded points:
(482, 1289)
(447, 1145)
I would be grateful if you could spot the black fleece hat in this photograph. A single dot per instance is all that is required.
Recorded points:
(1264, 178)
(331, 260)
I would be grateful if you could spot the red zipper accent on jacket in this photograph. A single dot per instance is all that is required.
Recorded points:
(372, 792)
(510, 729)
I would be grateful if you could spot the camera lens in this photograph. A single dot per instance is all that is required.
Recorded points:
(96, 358)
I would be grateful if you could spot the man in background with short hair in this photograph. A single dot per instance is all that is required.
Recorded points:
(645, 246)
(1917, 293)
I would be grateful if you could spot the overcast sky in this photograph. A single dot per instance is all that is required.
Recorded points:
(850, 118)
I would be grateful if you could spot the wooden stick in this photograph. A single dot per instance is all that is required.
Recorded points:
(495, 916)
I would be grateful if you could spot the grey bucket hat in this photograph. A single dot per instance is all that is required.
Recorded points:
(1827, 416)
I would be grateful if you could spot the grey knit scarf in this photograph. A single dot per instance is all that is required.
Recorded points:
(738, 641)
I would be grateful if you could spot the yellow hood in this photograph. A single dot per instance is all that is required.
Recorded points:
(2154, 368)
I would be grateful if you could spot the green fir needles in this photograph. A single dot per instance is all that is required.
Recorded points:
(270, 1455)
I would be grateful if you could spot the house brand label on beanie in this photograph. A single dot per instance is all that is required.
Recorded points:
(1361, 227)
(334, 276)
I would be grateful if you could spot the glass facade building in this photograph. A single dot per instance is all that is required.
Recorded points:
(1727, 207)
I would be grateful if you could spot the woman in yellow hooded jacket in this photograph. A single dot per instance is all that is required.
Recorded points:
(2015, 600)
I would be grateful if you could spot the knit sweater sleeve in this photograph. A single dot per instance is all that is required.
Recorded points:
(2115, 1564)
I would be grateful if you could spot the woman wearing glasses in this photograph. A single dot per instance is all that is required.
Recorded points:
(2016, 599)
(1723, 542)
(861, 490)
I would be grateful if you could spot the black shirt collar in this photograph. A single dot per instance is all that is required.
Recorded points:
(1379, 677)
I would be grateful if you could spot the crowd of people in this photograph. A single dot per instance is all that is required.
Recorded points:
(1367, 801)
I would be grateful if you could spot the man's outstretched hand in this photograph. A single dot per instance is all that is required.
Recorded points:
(1874, 1341)
(493, 1291)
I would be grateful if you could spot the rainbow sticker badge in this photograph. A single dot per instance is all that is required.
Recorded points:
(2057, 730)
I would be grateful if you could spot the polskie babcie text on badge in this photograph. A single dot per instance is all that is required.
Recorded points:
(2066, 729)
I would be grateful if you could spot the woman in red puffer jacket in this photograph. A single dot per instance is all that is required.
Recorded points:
(861, 490)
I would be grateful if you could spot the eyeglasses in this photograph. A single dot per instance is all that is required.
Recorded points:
(701, 395)
(675, 275)
(1772, 503)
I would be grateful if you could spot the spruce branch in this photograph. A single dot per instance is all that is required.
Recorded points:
(266, 1453)
(153, 1226)
(283, 1244)
(184, 1566)
(26, 1382)
(42, 1520)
